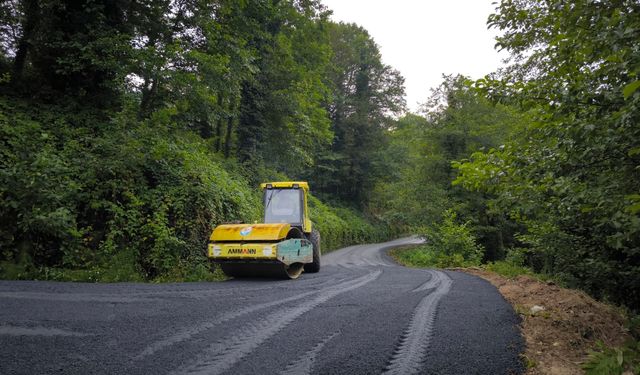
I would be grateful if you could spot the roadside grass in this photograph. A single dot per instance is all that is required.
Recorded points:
(423, 256)
(411, 256)
(511, 270)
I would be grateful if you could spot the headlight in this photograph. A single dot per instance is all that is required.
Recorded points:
(267, 251)
(214, 250)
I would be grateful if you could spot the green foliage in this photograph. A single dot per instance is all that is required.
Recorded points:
(250, 75)
(282, 122)
(451, 240)
(570, 177)
(423, 257)
(124, 200)
(417, 190)
(70, 48)
(414, 193)
(507, 269)
(148, 123)
(617, 360)
(366, 93)
(449, 244)
(414, 257)
(127, 200)
(614, 361)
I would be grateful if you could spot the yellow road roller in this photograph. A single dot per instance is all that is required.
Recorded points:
(283, 246)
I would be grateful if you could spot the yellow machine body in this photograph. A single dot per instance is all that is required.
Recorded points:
(267, 249)
(250, 232)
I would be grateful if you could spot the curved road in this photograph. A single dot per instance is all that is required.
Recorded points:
(362, 314)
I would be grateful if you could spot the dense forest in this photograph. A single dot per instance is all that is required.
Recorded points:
(129, 129)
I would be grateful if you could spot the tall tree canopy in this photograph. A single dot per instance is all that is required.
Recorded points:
(417, 191)
(252, 75)
(366, 95)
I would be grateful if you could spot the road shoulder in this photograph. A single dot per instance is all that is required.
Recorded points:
(560, 325)
(478, 328)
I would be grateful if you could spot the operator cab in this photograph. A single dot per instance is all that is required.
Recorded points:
(284, 206)
(286, 202)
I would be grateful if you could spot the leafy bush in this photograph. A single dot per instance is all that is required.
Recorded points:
(453, 243)
(514, 265)
(622, 360)
(119, 200)
(114, 200)
(424, 256)
(614, 361)
(449, 244)
(419, 256)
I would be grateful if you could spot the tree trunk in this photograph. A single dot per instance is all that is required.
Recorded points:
(218, 144)
(148, 93)
(32, 15)
(227, 136)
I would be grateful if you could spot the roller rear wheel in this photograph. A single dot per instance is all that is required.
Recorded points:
(314, 267)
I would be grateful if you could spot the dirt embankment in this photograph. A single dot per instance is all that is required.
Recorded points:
(560, 335)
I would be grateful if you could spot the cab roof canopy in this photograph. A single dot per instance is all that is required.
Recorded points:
(285, 185)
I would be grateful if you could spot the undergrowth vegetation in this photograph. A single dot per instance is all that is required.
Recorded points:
(617, 361)
(449, 244)
(614, 361)
(125, 200)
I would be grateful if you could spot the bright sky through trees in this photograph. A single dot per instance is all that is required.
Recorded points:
(425, 39)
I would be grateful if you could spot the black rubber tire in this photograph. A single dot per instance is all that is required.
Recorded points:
(314, 267)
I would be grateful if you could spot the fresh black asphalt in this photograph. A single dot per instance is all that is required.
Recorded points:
(362, 314)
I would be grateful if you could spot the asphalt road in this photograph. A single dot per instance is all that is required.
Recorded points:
(362, 314)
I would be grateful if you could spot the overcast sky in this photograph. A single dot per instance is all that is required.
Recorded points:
(425, 38)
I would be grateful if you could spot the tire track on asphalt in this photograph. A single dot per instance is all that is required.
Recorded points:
(39, 331)
(367, 255)
(145, 296)
(429, 284)
(223, 355)
(206, 293)
(304, 364)
(188, 333)
(412, 349)
(75, 297)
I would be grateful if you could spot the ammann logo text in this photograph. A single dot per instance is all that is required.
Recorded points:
(243, 251)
